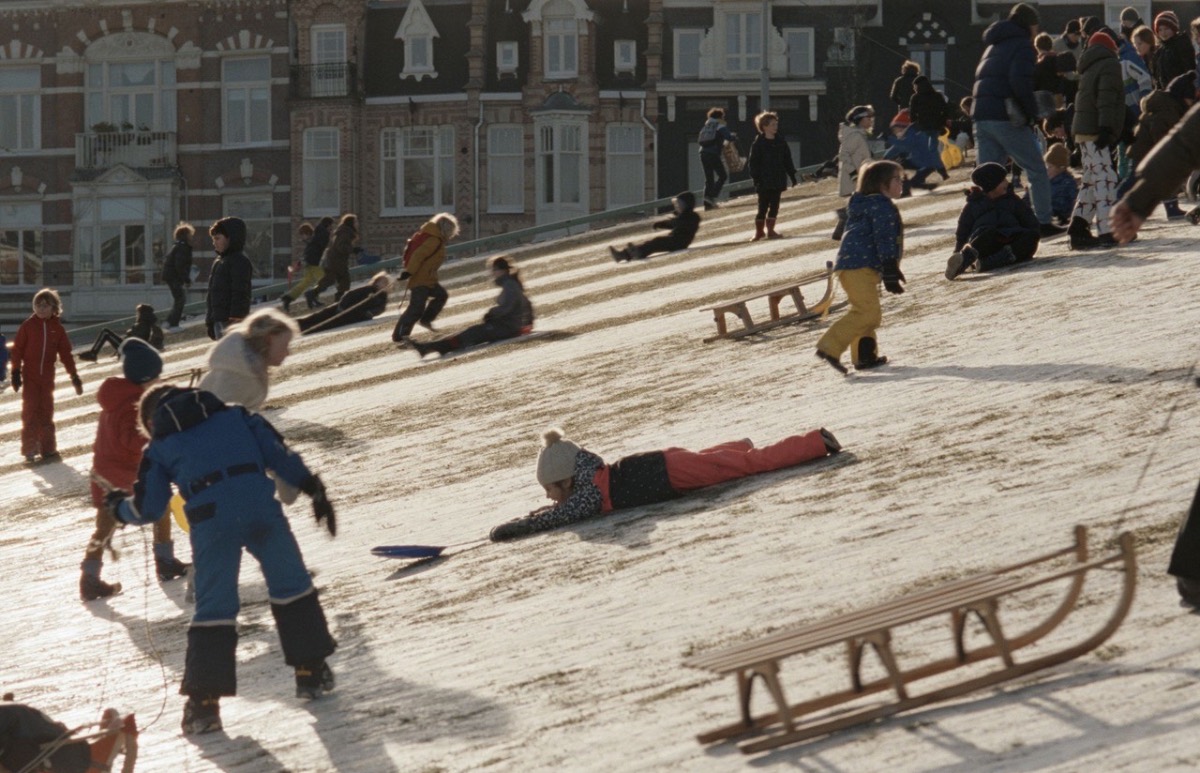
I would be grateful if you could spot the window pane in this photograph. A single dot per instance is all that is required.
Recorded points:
(390, 173)
(135, 254)
(688, 55)
(260, 115)
(131, 74)
(235, 116)
(419, 52)
(242, 70)
(110, 255)
(20, 78)
(418, 182)
(8, 123)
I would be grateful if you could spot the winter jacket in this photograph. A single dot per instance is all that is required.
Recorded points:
(917, 147)
(1161, 174)
(928, 109)
(513, 312)
(684, 224)
(337, 255)
(1135, 74)
(902, 88)
(236, 373)
(316, 246)
(146, 327)
(1063, 46)
(426, 256)
(874, 235)
(1046, 76)
(117, 450)
(633, 481)
(177, 266)
(771, 164)
(1005, 71)
(1100, 101)
(229, 280)
(1064, 189)
(854, 150)
(25, 733)
(373, 302)
(1173, 57)
(1160, 112)
(713, 147)
(1006, 216)
(37, 344)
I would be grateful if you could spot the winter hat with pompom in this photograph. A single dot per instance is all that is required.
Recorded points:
(557, 459)
(1166, 19)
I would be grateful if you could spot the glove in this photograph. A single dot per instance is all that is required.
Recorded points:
(77, 383)
(521, 527)
(893, 279)
(1104, 138)
(404, 275)
(16, 379)
(112, 503)
(322, 507)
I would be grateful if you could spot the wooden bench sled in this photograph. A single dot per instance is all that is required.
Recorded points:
(774, 297)
(979, 595)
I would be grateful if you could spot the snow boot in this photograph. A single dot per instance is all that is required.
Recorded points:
(1171, 206)
(960, 261)
(831, 443)
(998, 259)
(310, 297)
(771, 232)
(1189, 592)
(1050, 230)
(89, 356)
(868, 357)
(1080, 234)
(618, 256)
(710, 204)
(285, 301)
(759, 230)
(833, 362)
(201, 715)
(169, 568)
(314, 680)
(420, 348)
(840, 228)
(1193, 216)
(91, 587)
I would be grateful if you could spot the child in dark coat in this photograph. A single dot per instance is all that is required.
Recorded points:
(358, 305)
(995, 228)
(682, 226)
(510, 317)
(771, 167)
(177, 271)
(145, 327)
(582, 486)
(219, 457)
(40, 341)
(229, 279)
(1161, 110)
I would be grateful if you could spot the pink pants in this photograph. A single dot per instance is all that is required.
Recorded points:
(738, 459)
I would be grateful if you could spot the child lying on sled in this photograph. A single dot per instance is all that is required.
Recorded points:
(582, 486)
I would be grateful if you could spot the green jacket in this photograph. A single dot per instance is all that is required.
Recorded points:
(1100, 101)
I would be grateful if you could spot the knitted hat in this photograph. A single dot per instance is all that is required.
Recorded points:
(857, 113)
(1024, 14)
(902, 119)
(1072, 28)
(1130, 15)
(557, 460)
(1058, 155)
(139, 361)
(1102, 39)
(988, 176)
(1183, 86)
(1168, 18)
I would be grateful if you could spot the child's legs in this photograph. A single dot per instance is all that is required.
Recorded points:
(732, 445)
(657, 244)
(437, 302)
(1085, 203)
(309, 321)
(44, 421)
(772, 203)
(108, 337)
(105, 525)
(311, 275)
(31, 430)
(343, 281)
(1106, 192)
(689, 470)
(162, 529)
(418, 299)
(217, 558)
(865, 314)
(273, 545)
(764, 203)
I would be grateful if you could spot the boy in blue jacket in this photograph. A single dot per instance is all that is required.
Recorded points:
(218, 456)
(995, 228)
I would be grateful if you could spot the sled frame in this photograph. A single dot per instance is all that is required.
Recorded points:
(739, 308)
(979, 595)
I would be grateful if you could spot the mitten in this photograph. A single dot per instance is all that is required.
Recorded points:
(112, 503)
(1104, 138)
(515, 529)
(77, 383)
(404, 275)
(322, 507)
(16, 379)
(893, 278)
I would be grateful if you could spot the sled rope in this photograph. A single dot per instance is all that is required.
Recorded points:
(343, 312)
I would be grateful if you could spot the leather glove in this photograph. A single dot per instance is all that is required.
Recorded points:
(112, 503)
(77, 383)
(1104, 138)
(322, 507)
(404, 275)
(16, 380)
(893, 279)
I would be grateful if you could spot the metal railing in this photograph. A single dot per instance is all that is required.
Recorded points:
(101, 150)
(324, 81)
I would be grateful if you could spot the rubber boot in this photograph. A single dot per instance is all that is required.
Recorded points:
(1172, 209)
(960, 261)
(1080, 235)
(840, 228)
(868, 356)
(771, 232)
(760, 232)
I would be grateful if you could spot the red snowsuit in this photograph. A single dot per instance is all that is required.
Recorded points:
(38, 343)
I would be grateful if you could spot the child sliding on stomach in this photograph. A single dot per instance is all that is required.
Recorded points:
(582, 486)
(870, 250)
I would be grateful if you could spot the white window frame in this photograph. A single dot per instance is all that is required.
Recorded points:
(742, 47)
(507, 57)
(393, 159)
(624, 56)
(236, 206)
(625, 164)
(322, 148)
(680, 68)
(506, 167)
(20, 108)
(418, 33)
(568, 146)
(111, 212)
(560, 41)
(258, 116)
(808, 68)
(330, 72)
(101, 95)
(24, 218)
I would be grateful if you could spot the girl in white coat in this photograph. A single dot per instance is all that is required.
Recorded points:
(854, 150)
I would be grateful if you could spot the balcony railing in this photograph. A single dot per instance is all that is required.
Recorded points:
(102, 150)
(324, 81)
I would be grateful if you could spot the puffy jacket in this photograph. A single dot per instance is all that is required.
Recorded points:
(1006, 215)
(1100, 101)
(229, 281)
(117, 450)
(426, 257)
(37, 344)
(513, 312)
(1161, 174)
(236, 374)
(920, 149)
(854, 150)
(1136, 75)
(771, 164)
(684, 224)
(1173, 57)
(874, 235)
(928, 109)
(1006, 70)
(1160, 112)
(177, 266)
(337, 255)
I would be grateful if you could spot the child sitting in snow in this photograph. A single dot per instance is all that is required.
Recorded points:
(911, 146)
(145, 327)
(995, 228)
(683, 226)
(510, 317)
(582, 486)
(1064, 188)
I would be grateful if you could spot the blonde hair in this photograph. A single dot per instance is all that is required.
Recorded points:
(447, 224)
(385, 276)
(259, 327)
(48, 295)
(874, 175)
(764, 118)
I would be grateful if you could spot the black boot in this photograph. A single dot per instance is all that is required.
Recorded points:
(833, 362)
(868, 357)
(840, 228)
(998, 259)
(313, 680)
(201, 714)
(1080, 235)
(960, 261)
(91, 587)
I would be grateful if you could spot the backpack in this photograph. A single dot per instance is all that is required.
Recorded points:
(416, 241)
(708, 132)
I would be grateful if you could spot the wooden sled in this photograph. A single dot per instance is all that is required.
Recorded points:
(774, 297)
(979, 594)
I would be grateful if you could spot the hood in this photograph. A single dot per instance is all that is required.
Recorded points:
(116, 392)
(1005, 30)
(181, 409)
(235, 229)
(1092, 55)
(1159, 101)
(688, 200)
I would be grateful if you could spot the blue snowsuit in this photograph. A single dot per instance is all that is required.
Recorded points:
(218, 456)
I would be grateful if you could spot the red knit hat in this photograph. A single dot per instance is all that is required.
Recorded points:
(1102, 39)
(902, 119)
(1168, 18)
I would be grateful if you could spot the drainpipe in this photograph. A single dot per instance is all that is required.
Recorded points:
(654, 134)
(478, 126)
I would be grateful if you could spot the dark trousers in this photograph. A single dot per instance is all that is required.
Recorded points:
(768, 203)
(424, 306)
(664, 243)
(988, 243)
(483, 333)
(106, 337)
(714, 175)
(178, 299)
(1185, 558)
(330, 317)
(338, 274)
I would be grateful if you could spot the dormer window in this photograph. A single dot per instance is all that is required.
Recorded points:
(506, 57)
(418, 33)
(560, 23)
(625, 56)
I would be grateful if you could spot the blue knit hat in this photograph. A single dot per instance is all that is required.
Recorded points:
(139, 361)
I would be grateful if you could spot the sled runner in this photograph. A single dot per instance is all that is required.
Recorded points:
(978, 594)
(740, 309)
(34, 743)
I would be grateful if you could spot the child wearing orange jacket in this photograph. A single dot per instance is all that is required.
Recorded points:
(40, 341)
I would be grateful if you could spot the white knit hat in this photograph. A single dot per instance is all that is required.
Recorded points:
(557, 460)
